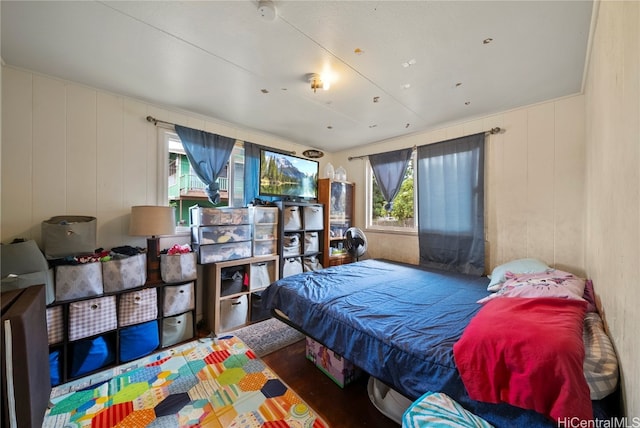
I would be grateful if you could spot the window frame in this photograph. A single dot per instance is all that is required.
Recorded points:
(369, 226)
(165, 135)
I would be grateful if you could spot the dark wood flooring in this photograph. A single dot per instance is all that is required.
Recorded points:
(340, 408)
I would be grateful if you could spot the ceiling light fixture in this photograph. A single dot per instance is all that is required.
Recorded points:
(317, 82)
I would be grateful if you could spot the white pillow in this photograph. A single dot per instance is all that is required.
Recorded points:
(515, 266)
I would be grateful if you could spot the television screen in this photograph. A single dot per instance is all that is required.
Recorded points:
(287, 176)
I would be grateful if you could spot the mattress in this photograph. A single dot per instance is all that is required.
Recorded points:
(397, 322)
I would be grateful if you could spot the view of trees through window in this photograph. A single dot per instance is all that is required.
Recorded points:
(402, 212)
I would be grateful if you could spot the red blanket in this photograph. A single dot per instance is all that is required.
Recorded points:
(528, 353)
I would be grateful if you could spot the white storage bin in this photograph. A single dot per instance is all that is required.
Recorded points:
(223, 252)
(200, 216)
(313, 217)
(121, 274)
(291, 245)
(178, 298)
(78, 281)
(178, 267)
(220, 234)
(91, 317)
(311, 242)
(138, 307)
(292, 218)
(261, 275)
(292, 266)
(265, 231)
(177, 329)
(265, 215)
(265, 248)
(233, 313)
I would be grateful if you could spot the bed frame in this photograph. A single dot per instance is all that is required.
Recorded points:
(398, 323)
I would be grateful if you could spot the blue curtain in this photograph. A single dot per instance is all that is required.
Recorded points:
(451, 205)
(208, 154)
(251, 172)
(389, 169)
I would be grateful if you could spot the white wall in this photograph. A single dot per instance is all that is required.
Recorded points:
(534, 180)
(612, 243)
(72, 150)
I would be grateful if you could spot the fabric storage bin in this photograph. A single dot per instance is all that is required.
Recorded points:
(178, 267)
(55, 374)
(138, 340)
(232, 280)
(233, 313)
(78, 281)
(261, 275)
(124, 273)
(311, 242)
(340, 370)
(91, 354)
(55, 325)
(292, 266)
(220, 234)
(258, 312)
(311, 263)
(313, 218)
(222, 252)
(91, 317)
(64, 236)
(178, 299)
(291, 245)
(137, 307)
(292, 218)
(177, 329)
(23, 265)
(264, 248)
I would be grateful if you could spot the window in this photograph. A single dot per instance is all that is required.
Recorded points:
(402, 216)
(182, 188)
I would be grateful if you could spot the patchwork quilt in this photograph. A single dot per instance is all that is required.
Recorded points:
(213, 384)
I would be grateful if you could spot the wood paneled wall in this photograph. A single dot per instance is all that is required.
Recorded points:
(613, 184)
(534, 180)
(68, 149)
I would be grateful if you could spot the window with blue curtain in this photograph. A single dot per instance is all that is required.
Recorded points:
(451, 205)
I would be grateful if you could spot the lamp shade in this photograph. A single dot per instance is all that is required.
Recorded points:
(152, 220)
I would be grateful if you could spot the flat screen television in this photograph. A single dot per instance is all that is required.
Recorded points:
(287, 176)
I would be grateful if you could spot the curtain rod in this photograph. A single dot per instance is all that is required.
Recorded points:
(490, 131)
(157, 121)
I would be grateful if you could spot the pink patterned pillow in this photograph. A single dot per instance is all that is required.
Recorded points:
(552, 283)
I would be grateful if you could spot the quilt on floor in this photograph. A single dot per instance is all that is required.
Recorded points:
(216, 383)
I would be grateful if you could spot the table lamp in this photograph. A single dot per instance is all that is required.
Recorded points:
(152, 221)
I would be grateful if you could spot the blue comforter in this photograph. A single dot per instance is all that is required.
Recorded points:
(397, 322)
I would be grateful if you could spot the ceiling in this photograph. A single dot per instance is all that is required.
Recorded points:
(399, 67)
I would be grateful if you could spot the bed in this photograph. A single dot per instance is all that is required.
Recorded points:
(397, 322)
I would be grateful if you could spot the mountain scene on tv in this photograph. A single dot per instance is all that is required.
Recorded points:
(286, 175)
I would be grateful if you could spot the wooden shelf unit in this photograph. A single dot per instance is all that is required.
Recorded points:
(338, 199)
(230, 306)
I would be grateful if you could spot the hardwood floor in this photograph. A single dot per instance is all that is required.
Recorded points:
(340, 408)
